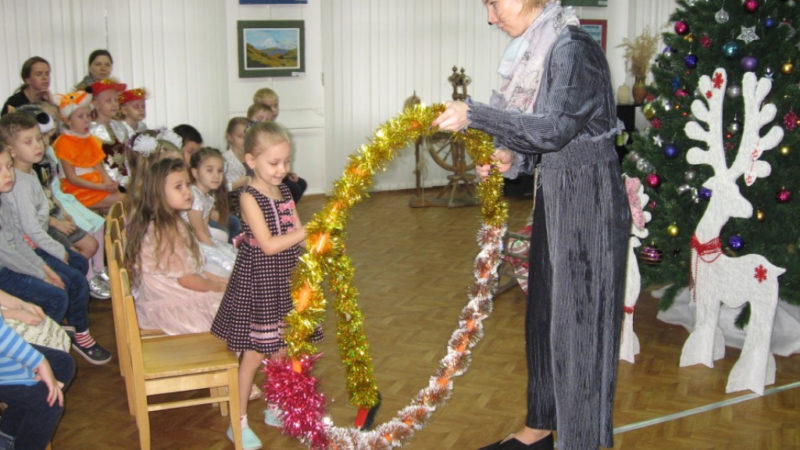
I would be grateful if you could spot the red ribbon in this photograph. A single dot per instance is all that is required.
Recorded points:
(707, 252)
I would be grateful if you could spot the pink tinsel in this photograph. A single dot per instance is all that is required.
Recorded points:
(632, 189)
(302, 406)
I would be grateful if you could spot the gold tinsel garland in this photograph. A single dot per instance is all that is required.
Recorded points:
(326, 260)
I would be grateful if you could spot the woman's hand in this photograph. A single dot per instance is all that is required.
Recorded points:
(501, 160)
(63, 226)
(454, 117)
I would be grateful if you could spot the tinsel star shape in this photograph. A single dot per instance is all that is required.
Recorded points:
(657, 140)
(748, 34)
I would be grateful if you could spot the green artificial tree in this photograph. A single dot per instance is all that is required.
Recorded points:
(758, 36)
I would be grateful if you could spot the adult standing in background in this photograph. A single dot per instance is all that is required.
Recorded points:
(100, 66)
(555, 115)
(35, 87)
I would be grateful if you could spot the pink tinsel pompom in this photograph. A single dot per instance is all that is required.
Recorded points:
(296, 395)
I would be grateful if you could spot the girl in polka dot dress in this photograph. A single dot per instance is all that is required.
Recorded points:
(250, 318)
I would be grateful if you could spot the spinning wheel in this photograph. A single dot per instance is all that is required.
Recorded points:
(448, 155)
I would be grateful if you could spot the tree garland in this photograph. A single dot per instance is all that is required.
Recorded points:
(291, 386)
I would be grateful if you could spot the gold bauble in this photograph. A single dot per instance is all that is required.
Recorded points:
(673, 230)
(787, 68)
(649, 111)
(785, 150)
(760, 215)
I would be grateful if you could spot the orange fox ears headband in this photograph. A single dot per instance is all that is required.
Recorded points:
(68, 103)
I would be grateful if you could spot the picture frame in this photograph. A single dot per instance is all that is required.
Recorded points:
(271, 48)
(596, 29)
(600, 3)
(272, 2)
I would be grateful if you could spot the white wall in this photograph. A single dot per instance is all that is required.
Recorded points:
(363, 59)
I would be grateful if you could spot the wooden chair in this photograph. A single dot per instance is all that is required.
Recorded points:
(117, 211)
(179, 363)
(114, 261)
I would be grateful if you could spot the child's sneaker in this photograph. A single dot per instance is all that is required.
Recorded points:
(272, 416)
(249, 439)
(99, 289)
(255, 393)
(95, 354)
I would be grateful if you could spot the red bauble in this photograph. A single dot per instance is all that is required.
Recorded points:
(653, 180)
(751, 5)
(681, 27)
(783, 196)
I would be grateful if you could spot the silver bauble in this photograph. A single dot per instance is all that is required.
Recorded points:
(734, 127)
(689, 175)
(683, 189)
(644, 165)
(722, 16)
(733, 91)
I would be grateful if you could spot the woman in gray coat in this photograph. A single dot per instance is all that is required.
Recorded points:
(555, 115)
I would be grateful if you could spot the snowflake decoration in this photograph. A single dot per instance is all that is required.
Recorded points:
(761, 273)
(748, 34)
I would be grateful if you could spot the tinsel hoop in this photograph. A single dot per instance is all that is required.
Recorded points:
(291, 385)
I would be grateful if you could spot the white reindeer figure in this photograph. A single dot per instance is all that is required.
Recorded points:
(716, 276)
(629, 342)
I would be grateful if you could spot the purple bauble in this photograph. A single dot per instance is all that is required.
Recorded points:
(681, 27)
(690, 61)
(651, 255)
(751, 5)
(769, 22)
(736, 242)
(749, 63)
(704, 193)
(671, 150)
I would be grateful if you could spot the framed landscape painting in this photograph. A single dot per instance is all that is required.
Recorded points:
(596, 29)
(271, 48)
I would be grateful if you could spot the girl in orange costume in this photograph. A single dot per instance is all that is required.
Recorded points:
(82, 155)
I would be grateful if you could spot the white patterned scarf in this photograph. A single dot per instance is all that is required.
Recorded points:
(522, 65)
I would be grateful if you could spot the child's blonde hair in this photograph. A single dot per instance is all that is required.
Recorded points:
(264, 95)
(256, 108)
(270, 132)
(233, 123)
(221, 193)
(167, 222)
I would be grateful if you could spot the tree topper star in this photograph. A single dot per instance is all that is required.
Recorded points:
(748, 34)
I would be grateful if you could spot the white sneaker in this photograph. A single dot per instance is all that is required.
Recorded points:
(273, 416)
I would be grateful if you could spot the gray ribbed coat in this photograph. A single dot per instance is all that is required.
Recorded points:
(572, 127)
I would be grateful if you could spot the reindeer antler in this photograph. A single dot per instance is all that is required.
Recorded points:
(714, 93)
(753, 145)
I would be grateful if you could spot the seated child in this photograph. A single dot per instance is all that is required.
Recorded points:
(236, 172)
(32, 324)
(259, 113)
(210, 193)
(60, 224)
(173, 292)
(192, 141)
(82, 156)
(144, 149)
(32, 381)
(112, 133)
(40, 278)
(133, 110)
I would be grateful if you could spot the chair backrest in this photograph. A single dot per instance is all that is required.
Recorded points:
(131, 322)
(117, 211)
(115, 257)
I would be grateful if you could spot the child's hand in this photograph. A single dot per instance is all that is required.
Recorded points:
(64, 226)
(45, 374)
(27, 317)
(110, 186)
(32, 309)
(51, 277)
(293, 176)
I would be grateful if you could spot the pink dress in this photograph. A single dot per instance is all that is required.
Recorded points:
(161, 302)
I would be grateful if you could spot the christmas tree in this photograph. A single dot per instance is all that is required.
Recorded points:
(757, 36)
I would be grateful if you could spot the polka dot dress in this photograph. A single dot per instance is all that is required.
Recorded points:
(258, 296)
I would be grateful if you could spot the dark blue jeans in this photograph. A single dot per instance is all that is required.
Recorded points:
(234, 227)
(51, 299)
(28, 418)
(76, 284)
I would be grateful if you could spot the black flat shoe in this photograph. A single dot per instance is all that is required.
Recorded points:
(546, 443)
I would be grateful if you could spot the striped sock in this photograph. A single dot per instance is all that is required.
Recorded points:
(84, 339)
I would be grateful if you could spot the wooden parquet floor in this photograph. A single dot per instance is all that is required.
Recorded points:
(413, 267)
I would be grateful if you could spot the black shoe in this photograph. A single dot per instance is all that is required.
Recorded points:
(370, 420)
(546, 443)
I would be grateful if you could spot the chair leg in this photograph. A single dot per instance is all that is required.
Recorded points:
(233, 400)
(223, 406)
(142, 416)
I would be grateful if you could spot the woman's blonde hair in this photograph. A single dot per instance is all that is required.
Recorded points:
(168, 225)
